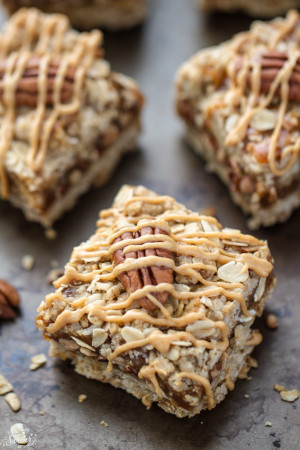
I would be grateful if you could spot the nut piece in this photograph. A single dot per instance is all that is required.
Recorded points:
(131, 334)
(272, 62)
(6, 311)
(233, 272)
(10, 293)
(9, 299)
(99, 337)
(37, 361)
(13, 401)
(153, 275)
(5, 385)
(103, 423)
(264, 120)
(289, 396)
(279, 388)
(272, 321)
(27, 91)
(18, 433)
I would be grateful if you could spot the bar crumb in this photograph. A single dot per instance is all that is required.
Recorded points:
(5, 385)
(28, 262)
(18, 433)
(279, 388)
(38, 361)
(272, 321)
(51, 234)
(13, 401)
(289, 396)
(252, 362)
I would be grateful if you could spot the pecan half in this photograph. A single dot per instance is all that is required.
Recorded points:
(153, 275)
(27, 91)
(9, 299)
(272, 62)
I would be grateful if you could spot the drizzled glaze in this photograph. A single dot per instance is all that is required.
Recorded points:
(249, 46)
(43, 36)
(205, 245)
(204, 382)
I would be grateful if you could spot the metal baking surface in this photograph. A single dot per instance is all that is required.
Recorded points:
(151, 54)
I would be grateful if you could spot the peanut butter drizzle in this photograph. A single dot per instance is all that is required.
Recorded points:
(43, 36)
(150, 372)
(255, 339)
(162, 342)
(279, 30)
(262, 267)
(102, 247)
(204, 382)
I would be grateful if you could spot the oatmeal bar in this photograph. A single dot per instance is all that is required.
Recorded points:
(241, 105)
(160, 302)
(260, 8)
(65, 117)
(86, 14)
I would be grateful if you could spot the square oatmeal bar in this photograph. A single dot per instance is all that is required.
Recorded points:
(160, 302)
(240, 102)
(65, 118)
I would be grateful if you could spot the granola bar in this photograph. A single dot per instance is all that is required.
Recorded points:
(160, 302)
(257, 8)
(240, 103)
(86, 14)
(65, 117)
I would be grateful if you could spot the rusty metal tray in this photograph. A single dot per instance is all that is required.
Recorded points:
(151, 54)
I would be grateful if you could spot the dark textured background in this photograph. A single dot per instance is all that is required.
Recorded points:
(151, 54)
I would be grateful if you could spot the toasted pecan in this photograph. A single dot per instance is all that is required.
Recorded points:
(27, 92)
(9, 299)
(151, 275)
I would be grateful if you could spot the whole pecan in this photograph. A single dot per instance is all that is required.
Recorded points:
(9, 299)
(27, 91)
(153, 275)
(272, 62)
